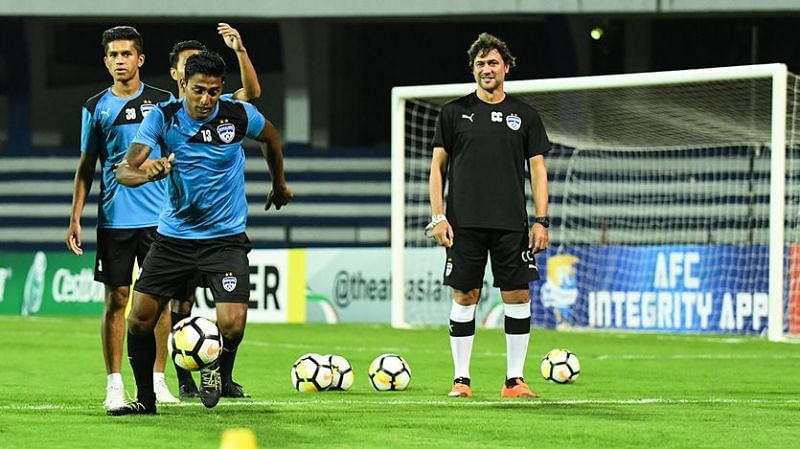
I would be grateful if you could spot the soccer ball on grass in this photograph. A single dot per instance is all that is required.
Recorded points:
(194, 343)
(389, 372)
(343, 375)
(311, 373)
(561, 366)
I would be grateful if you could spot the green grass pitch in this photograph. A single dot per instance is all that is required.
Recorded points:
(635, 390)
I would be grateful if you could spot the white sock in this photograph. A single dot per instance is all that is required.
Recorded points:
(461, 347)
(114, 380)
(517, 344)
(158, 377)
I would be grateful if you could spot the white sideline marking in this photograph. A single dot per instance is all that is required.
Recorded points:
(446, 403)
(696, 357)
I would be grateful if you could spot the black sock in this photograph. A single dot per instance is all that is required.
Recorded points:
(462, 380)
(229, 347)
(184, 377)
(142, 355)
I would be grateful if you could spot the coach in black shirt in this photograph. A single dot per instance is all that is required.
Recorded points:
(481, 145)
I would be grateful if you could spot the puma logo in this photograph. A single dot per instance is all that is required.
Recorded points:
(468, 117)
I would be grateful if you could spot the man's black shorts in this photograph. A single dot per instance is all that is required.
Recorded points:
(116, 251)
(221, 262)
(513, 264)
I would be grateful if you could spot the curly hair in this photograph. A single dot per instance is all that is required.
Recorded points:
(486, 43)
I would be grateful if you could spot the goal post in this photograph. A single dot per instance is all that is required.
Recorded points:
(644, 166)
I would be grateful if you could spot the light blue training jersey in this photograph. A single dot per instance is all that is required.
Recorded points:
(205, 189)
(108, 125)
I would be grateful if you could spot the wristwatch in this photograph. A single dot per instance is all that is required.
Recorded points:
(544, 221)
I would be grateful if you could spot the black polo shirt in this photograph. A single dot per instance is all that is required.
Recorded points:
(488, 146)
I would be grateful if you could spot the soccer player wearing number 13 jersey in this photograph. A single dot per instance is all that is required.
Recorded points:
(481, 145)
(201, 229)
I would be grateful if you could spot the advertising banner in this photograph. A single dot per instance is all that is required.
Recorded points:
(354, 286)
(277, 288)
(688, 288)
(55, 283)
(60, 283)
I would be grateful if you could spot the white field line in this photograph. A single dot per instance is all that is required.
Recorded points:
(448, 403)
(601, 357)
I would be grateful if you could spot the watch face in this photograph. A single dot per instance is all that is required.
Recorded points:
(544, 221)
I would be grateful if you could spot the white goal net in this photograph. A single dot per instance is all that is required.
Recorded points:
(674, 200)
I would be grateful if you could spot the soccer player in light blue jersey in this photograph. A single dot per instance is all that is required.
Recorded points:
(181, 308)
(126, 217)
(202, 226)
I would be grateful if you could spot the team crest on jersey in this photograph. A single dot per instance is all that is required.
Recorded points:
(226, 132)
(146, 107)
(229, 283)
(513, 122)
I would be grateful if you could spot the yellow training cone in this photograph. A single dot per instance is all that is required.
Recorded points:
(238, 439)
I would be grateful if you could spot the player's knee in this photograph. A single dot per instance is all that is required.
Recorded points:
(466, 298)
(231, 325)
(515, 296)
(138, 324)
(117, 298)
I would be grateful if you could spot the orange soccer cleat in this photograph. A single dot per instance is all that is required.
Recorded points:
(460, 390)
(518, 389)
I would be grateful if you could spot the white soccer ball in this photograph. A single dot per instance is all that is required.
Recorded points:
(311, 373)
(561, 366)
(194, 343)
(343, 374)
(389, 372)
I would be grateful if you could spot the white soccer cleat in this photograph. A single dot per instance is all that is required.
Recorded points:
(115, 397)
(163, 394)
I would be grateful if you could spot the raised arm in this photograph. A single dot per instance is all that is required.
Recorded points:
(84, 175)
(251, 89)
(272, 149)
(137, 169)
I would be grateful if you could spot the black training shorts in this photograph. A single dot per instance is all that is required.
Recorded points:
(221, 263)
(513, 264)
(116, 251)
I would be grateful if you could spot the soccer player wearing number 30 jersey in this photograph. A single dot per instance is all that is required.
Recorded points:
(126, 218)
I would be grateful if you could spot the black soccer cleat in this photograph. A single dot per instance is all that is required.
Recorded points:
(188, 390)
(210, 385)
(186, 386)
(233, 390)
(133, 408)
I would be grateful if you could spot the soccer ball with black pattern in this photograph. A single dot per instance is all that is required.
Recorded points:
(311, 373)
(194, 343)
(389, 372)
(561, 366)
(343, 375)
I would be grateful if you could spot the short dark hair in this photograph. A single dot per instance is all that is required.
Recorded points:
(180, 47)
(123, 33)
(207, 63)
(486, 43)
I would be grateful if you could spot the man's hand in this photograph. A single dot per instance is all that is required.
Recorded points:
(443, 234)
(73, 239)
(231, 36)
(538, 238)
(156, 169)
(279, 196)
